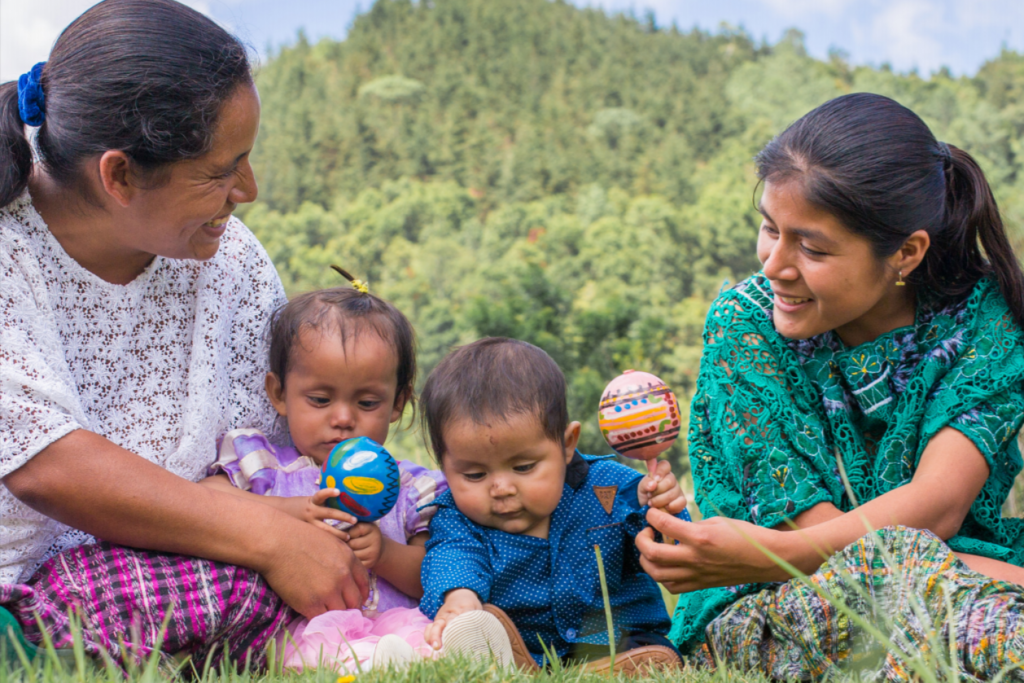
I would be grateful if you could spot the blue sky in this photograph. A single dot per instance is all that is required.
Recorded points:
(908, 34)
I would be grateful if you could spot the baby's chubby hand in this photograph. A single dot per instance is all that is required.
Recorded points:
(367, 543)
(456, 602)
(312, 509)
(661, 490)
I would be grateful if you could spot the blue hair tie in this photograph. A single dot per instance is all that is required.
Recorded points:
(31, 100)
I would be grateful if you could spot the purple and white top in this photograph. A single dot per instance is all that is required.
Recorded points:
(254, 464)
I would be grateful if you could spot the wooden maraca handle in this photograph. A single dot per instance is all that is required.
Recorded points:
(652, 466)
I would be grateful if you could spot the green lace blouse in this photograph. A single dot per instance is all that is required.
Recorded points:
(771, 418)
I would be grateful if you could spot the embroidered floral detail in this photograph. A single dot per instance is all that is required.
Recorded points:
(772, 418)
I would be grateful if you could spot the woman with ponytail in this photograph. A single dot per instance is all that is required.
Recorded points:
(132, 315)
(869, 380)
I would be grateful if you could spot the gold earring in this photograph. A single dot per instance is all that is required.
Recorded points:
(900, 282)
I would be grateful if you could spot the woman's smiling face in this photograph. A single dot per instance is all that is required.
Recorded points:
(185, 216)
(825, 277)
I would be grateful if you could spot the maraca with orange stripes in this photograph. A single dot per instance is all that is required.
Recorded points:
(639, 416)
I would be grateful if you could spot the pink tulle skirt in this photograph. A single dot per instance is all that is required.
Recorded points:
(340, 638)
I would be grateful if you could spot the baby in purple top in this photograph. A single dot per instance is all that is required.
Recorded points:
(342, 365)
(251, 463)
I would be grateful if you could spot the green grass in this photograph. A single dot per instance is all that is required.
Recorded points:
(456, 671)
(49, 668)
(452, 670)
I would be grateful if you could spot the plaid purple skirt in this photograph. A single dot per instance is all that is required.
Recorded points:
(124, 597)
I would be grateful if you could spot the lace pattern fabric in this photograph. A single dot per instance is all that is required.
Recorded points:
(773, 418)
(161, 366)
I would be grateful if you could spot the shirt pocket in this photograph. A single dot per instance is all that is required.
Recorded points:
(610, 539)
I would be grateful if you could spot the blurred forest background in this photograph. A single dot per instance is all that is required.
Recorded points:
(581, 181)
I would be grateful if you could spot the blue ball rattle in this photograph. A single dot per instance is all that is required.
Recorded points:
(366, 475)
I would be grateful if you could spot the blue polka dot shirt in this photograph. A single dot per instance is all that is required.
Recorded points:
(550, 587)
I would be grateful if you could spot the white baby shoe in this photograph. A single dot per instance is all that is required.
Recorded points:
(477, 635)
(392, 651)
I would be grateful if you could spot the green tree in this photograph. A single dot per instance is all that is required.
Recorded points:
(581, 181)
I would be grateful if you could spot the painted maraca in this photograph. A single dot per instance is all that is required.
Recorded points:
(639, 416)
(365, 474)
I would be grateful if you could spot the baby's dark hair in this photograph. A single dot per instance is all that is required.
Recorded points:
(494, 377)
(350, 312)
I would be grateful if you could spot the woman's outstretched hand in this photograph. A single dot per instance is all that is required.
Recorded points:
(711, 553)
(80, 480)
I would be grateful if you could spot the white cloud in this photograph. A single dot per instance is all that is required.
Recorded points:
(795, 9)
(922, 34)
(905, 33)
(984, 13)
(29, 28)
(911, 30)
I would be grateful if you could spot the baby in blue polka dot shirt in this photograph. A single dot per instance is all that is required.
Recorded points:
(524, 510)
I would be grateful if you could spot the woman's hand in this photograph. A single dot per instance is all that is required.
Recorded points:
(661, 490)
(313, 572)
(711, 553)
(456, 602)
(724, 552)
(80, 480)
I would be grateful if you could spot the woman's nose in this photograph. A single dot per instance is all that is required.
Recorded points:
(245, 190)
(778, 265)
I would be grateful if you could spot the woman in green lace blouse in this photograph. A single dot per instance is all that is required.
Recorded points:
(870, 377)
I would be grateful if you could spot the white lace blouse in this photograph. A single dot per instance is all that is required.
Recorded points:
(162, 366)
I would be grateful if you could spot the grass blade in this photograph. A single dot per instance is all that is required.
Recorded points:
(607, 604)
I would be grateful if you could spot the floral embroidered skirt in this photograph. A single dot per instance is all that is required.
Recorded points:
(130, 603)
(910, 604)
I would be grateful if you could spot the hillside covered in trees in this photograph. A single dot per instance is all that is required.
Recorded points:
(581, 181)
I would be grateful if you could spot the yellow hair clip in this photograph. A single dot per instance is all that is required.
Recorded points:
(360, 286)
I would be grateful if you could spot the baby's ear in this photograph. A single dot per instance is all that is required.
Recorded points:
(275, 392)
(572, 439)
(401, 400)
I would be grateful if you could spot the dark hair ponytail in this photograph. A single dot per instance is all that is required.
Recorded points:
(15, 152)
(875, 165)
(972, 215)
(147, 77)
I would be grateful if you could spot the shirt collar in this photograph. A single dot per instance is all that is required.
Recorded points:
(577, 470)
